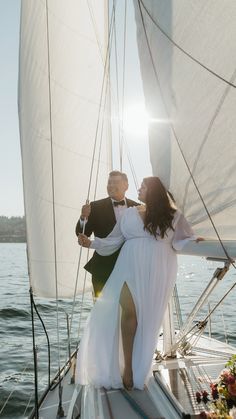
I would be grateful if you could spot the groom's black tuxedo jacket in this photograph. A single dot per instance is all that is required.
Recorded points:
(101, 222)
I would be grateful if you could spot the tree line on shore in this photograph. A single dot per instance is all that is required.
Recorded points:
(12, 229)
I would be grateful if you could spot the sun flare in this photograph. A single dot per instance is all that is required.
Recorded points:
(135, 120)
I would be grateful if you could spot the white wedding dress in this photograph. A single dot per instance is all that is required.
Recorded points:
(149, 267)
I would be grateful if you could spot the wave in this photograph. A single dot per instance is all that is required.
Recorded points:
(10, 313)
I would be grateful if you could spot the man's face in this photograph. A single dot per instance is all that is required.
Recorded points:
(116, 187)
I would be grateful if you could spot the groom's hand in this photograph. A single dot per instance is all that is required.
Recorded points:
(83, 240)
(85, 212)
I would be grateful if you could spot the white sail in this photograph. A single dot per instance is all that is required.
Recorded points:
(62, 56)
(192, 98)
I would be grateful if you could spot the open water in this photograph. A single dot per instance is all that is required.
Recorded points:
(16, 360)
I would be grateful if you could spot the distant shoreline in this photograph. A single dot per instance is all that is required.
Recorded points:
(12, 229)
(12, 239)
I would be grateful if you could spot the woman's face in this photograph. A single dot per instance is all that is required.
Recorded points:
(142, 192)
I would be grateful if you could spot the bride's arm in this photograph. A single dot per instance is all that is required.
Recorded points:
(107, 245)
(183, 232)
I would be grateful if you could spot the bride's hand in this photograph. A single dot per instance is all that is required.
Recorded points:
(83, 240)
(199, 239)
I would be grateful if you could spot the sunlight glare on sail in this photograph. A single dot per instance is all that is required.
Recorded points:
(135, 120)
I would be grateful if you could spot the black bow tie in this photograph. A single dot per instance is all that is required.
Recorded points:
(116, 203)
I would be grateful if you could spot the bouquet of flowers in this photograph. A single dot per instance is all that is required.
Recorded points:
(223, 394)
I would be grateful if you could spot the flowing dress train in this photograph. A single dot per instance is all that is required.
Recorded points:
(149, 267)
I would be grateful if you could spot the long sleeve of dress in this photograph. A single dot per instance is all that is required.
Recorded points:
(109, 244)
(183, 233)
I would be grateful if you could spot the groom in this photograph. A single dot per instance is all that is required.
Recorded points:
(100, 217)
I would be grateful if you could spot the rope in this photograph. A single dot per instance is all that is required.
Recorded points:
(182, 50)
(14, 389)
(35, 357)
(48, 342)
(53, 204)
(177, 140)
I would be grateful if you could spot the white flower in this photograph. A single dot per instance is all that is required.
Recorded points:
(232, 412)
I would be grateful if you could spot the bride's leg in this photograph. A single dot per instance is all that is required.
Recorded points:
(128, 330)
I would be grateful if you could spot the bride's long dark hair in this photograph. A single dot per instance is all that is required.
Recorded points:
(159, 210)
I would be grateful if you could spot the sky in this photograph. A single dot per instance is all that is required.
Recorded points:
(11, 192)
(11, 189)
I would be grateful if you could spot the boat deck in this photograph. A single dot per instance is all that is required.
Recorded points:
(170, 393)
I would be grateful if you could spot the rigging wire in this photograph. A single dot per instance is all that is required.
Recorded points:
(220, 301)
(117, 85)
(123, 84)
(177, 307)
(176, 138)
(95, 191)
(99, 152)
(106, 70)
(28, 404)
(101, 138)
(135, 179)
(182, 50)
(224, 326)
(85, 274)
(211, 124)
(104, 85)
(60, 408)
(201, 324)
(95, 30)
(122, 139)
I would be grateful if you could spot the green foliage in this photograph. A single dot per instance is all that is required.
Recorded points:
(12, 229)
(231, 364)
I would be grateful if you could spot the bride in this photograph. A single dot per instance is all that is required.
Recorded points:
(140, 285)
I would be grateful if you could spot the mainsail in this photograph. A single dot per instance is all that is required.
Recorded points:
(188, 65)
(61, 80)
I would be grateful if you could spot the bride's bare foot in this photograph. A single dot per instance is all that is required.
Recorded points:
(128, 380)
